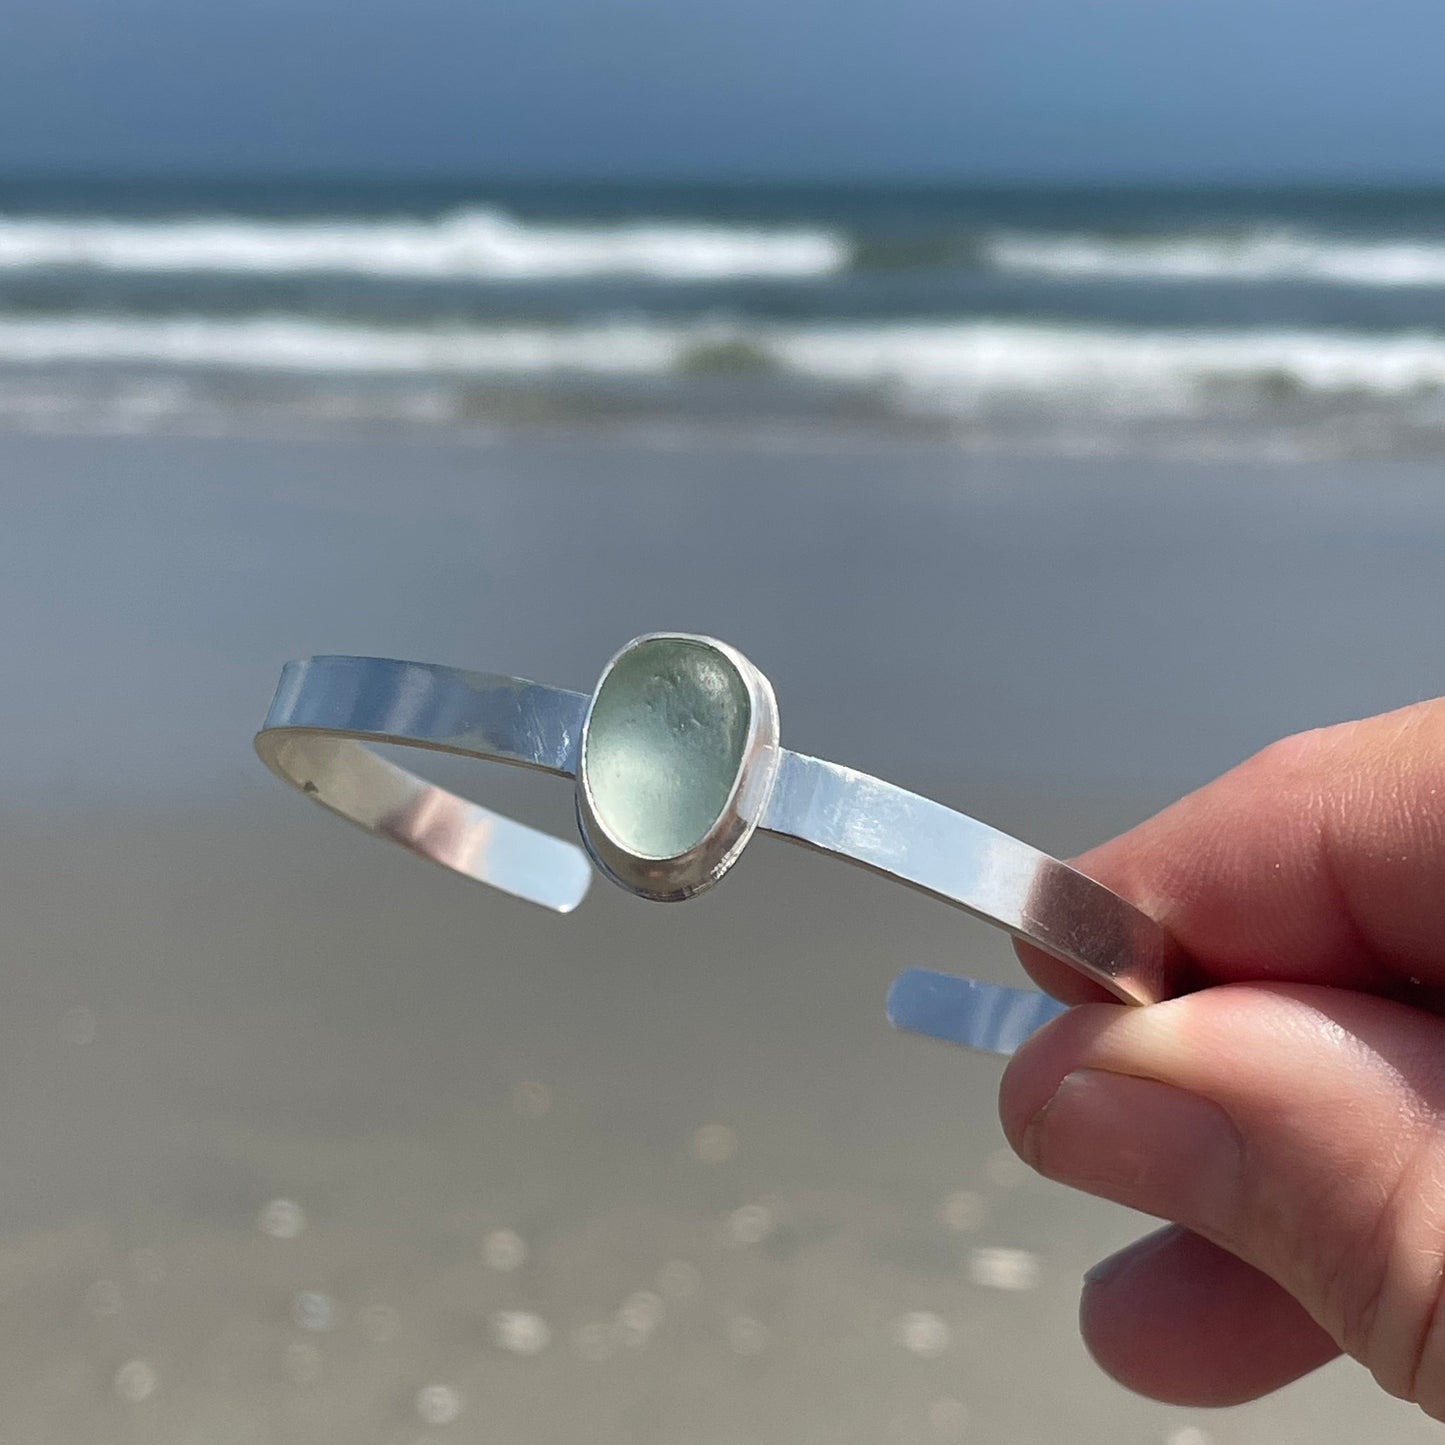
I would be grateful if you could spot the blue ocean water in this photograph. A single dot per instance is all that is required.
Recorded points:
(1292, 322)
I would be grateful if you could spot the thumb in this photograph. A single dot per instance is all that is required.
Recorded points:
(1297, 1127)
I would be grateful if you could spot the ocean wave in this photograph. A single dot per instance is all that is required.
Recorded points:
(292, 344)
(465, 245)
(1275, 255)
(954, 366)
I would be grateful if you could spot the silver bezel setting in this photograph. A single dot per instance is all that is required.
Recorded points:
(684, 875)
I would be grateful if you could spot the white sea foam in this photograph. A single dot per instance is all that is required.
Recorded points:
(478, 245)
(952, 367)
(1150, 371)
(1273, 255)
(293, 344)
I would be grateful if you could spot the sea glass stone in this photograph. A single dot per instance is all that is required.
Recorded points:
(665, 745)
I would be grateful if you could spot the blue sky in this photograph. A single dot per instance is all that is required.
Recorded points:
(1004, 89)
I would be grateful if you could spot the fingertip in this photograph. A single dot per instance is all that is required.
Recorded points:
(1058, 979)
(1043, 1060)
(1180, 1320)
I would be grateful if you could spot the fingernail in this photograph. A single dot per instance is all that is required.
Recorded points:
(1125, 1261)
(1140, 1143)
(1106, 1269)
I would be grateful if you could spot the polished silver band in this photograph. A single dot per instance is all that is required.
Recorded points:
(328, 709)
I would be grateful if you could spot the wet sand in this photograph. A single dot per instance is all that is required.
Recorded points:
(305, 1140)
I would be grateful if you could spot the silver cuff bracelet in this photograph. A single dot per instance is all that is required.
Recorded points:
(677, 762)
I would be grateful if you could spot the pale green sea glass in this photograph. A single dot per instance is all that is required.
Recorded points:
(665, 745)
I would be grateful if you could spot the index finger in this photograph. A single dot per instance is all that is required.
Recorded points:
(1319, 860)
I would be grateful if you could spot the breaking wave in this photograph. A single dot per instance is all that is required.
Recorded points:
(465, 245)
(960, 366)
(1253, 256)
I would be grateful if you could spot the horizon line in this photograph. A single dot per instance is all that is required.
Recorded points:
(1301, 181)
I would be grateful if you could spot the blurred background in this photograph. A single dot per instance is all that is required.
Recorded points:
(1049, 397)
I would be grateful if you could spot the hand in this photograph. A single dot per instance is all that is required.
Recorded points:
(1290, 1120)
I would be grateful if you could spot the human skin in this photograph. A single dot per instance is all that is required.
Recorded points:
(1290, 1118)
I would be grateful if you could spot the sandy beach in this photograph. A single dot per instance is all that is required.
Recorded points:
(305, 1140)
